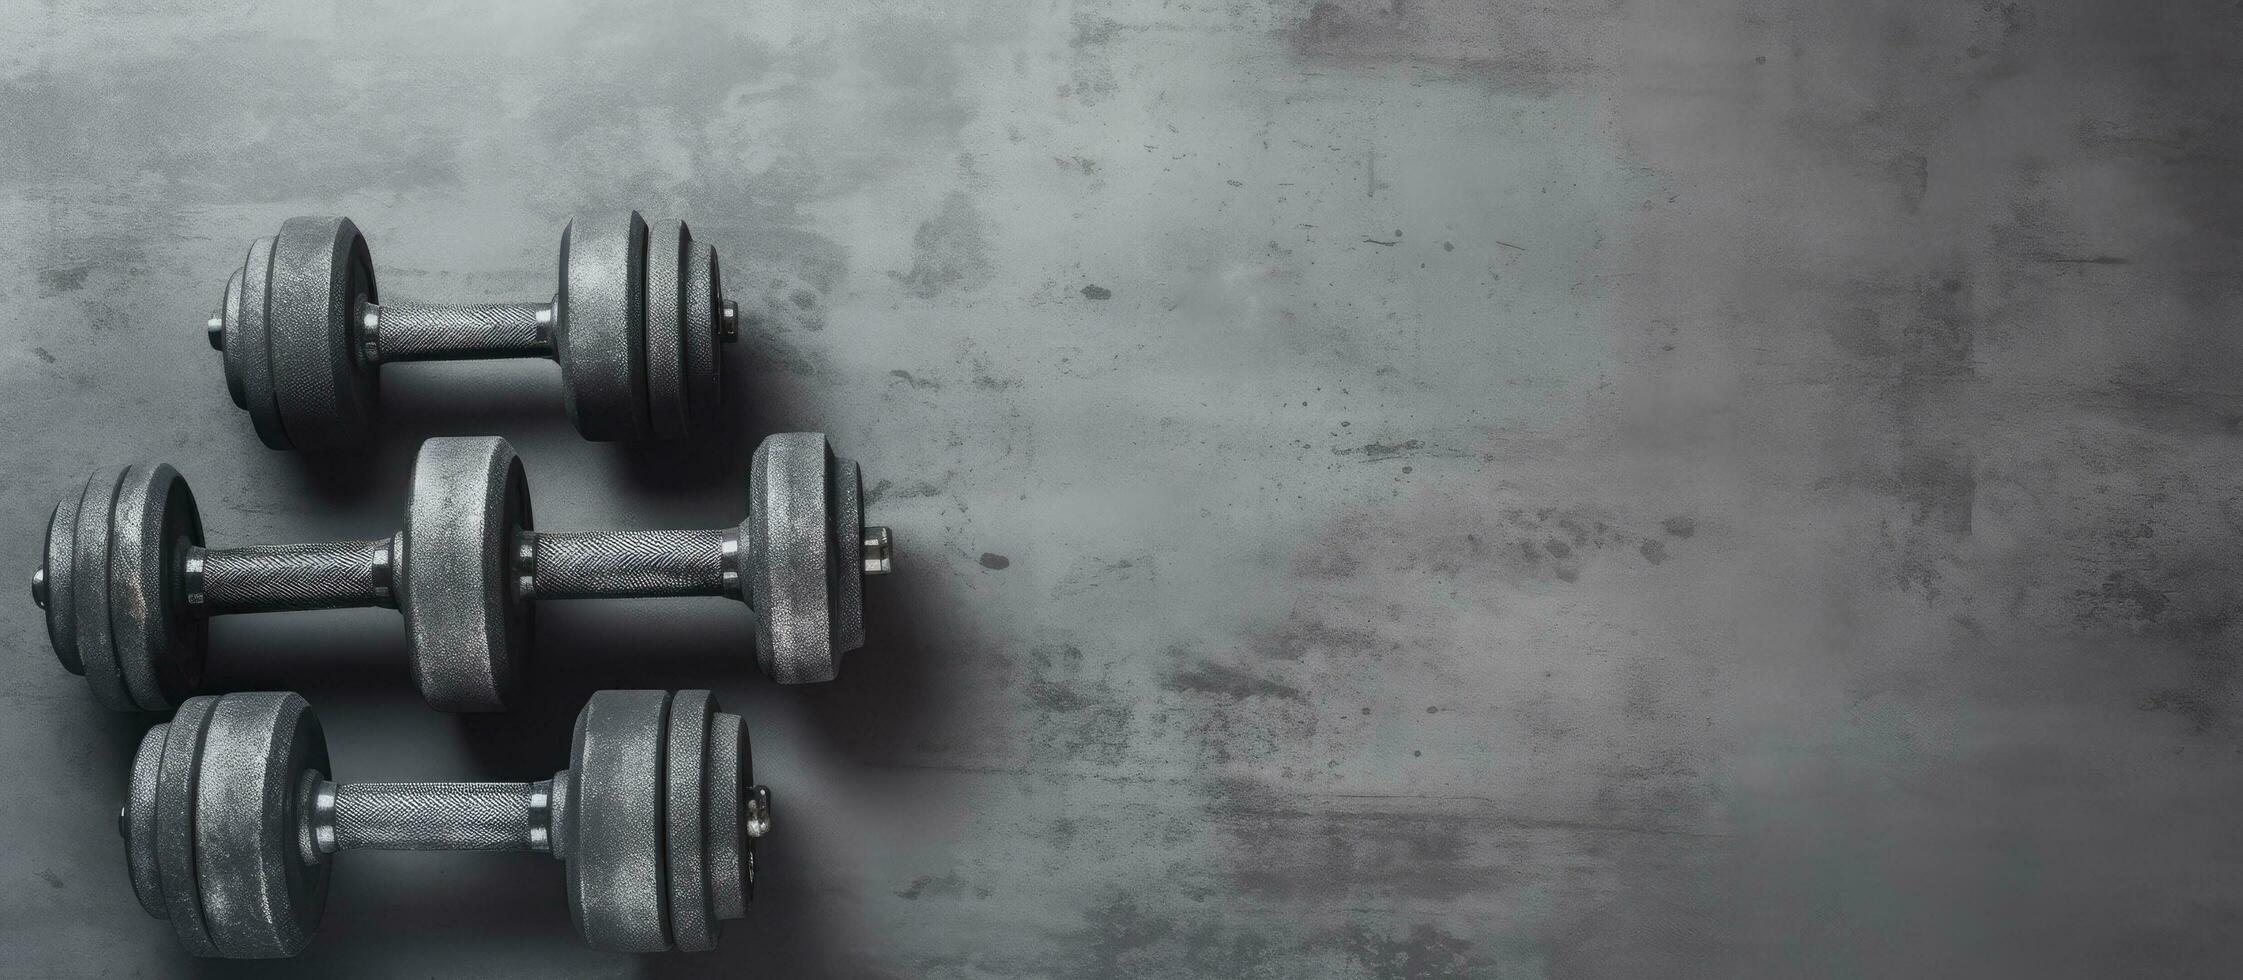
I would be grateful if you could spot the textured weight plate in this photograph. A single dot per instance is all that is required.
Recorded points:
(599, 335)
(463, 616)
(175, 824)
(229, 325)
(321, 269)
(666, 245)
(254, 341)
(704, 359)
(159, 646)
(730, 881)
(791, 576)
(62, 600)
(259, 898)
(685, 808)
(848, 565)
(89, 580)
(138, 822)
(617, 895)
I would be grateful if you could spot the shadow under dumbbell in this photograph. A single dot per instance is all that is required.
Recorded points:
(416, 408)
(892, 695)
(757, 404)
(446, 912)
(327, 656)
(471, 398)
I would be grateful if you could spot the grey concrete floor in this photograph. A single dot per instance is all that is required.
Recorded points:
(1421, 489)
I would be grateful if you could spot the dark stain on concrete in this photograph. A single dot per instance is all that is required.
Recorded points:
(982, 374)
(950, 251)
(1310, 629)
(945, 885)
(914, 380)
(64, 279)
(2198, 708)
(1092, 81)
(1077, 712)
(2122, 599)
(1097, 292)
(1940, 488)
(1289, 849)
(993, 560)
(1421, 952)
(1372, 452)
(1230, 684)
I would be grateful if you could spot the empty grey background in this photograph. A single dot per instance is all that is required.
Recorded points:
(1412, 489)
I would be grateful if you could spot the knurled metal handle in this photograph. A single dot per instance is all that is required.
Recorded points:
(631, 564)
(278, 577)
(433, 816)
(392, 332)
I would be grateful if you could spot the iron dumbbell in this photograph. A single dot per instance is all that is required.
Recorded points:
(232, 821)
(128, 585)
(636, 325)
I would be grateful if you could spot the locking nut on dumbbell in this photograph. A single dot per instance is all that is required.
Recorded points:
(637, 324)
(233, 822)
(128, 585)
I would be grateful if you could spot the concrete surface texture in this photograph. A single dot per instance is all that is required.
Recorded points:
(1385, 489)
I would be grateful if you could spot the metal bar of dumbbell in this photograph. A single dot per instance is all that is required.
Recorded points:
(283, 577)
(399, 332)
(431, 816)
(548, 565)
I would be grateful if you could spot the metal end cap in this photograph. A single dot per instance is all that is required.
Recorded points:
(755, 818)
(879, 551)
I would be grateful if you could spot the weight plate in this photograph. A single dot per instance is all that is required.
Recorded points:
(684, 816)
(89, 580)
(138, 822)
(704, 358)
(327, 393)
(255, 343)
(599, 334)
(175, 824)
(58, 563)
(730, 883)
(467, 626)
(159, 646)
(848, 565)
(791, 574)
(260, 900)
(229, 326)
(617, 894)
(667, 243)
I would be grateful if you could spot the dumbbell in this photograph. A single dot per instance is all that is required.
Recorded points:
(128, 585)
(635, 325)
(232, 821)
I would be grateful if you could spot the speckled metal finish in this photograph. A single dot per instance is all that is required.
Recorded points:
(464, 572)
(232, 825)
